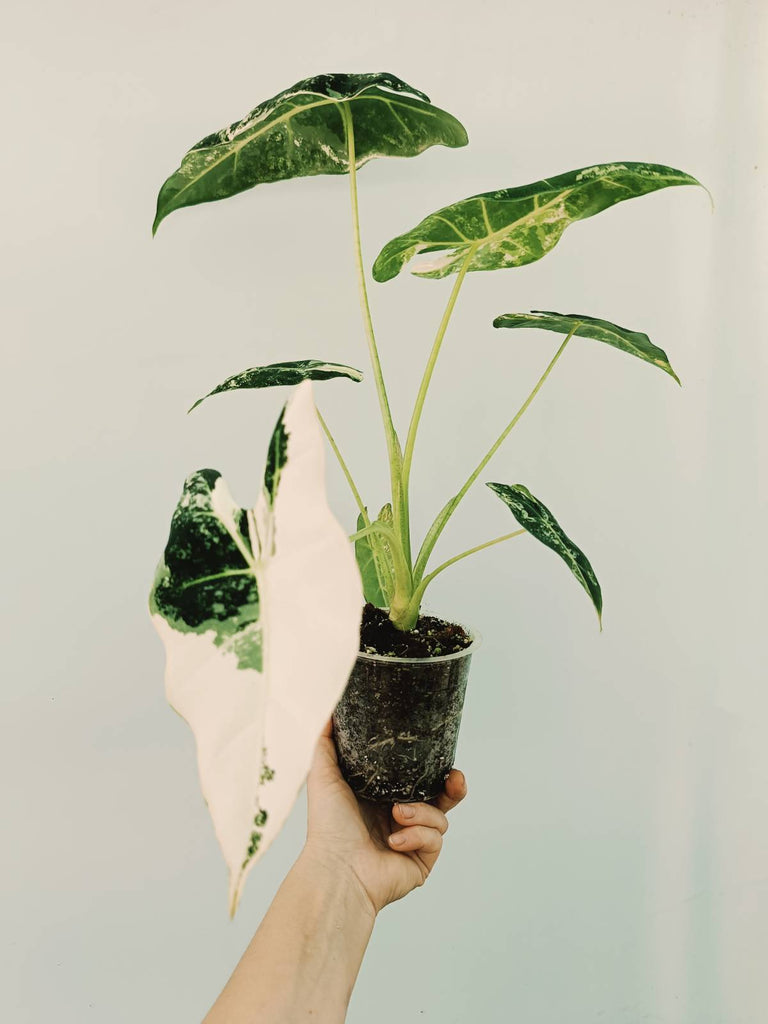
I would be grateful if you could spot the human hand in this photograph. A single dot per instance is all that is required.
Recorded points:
(388, 850)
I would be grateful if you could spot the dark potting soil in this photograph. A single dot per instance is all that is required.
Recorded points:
(430, 637)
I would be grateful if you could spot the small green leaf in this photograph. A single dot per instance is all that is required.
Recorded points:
(281, 375)
(515, 226)
(301, 132)
(536, 518)
(374, 559)
(366, 563)
(633, 342)
(384, 557)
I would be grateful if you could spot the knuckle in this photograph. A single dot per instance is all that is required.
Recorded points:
(437, 820)
(434, 840)
(424, 836)
(433, 818)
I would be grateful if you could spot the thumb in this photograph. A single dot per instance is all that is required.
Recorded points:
(325, 761)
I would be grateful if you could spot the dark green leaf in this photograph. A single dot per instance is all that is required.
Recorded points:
(536, 518)
(301, 132)
(206, 580)
(277, 457)
(515, 226)
(281, 374)
(633, 342)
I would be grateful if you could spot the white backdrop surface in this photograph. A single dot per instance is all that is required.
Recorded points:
(610, 865)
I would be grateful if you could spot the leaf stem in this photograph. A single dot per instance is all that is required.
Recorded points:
(402, 571)
(345, 469)
(418, 594)
(365, 532)
(393, 447)
(410, 440)
(439, 524)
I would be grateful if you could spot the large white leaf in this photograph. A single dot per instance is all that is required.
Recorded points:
(259, 611)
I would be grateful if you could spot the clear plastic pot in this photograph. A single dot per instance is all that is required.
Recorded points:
(397, 724)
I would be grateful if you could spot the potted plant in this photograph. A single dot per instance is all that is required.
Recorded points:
(397, 721)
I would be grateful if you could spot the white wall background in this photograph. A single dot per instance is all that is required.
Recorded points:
(611, 863)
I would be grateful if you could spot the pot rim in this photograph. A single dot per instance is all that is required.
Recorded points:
(438, 659)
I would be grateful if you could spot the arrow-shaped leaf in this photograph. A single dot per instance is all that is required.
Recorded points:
(259, 610)
(515, 226)
(634, 342)
(537, 519)
(281, 374)
(301, 132)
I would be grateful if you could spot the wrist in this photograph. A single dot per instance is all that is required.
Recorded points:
(332, 873)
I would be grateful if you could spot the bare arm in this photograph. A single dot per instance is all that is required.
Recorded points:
(304, 959)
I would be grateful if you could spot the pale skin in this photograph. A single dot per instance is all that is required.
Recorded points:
(302, 963)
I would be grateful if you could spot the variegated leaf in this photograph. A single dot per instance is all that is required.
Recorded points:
(515, 226)
(534, 516)
(301, 132)
(259, 610)
(282, 374)
(633, 342)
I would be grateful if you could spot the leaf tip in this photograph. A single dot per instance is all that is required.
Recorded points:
(380, 273)
(234, 900)
(462, 138)
(666, 366)
(157, 222)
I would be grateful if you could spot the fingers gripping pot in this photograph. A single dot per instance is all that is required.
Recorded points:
(397, 725)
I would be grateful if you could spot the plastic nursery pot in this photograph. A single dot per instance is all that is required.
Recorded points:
(397, 724)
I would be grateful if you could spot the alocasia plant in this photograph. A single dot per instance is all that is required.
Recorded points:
(254, 604)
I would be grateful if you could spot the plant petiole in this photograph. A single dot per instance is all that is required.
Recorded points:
(442, 519)
(418, 593)
(393, 446)
(345, 469)
(410, 440)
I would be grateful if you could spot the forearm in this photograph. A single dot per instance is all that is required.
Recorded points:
(303, 960)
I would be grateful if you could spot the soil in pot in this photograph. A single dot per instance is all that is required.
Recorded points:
(397, 725)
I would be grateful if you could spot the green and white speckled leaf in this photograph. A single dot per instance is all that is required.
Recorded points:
(282, 374)
(301, 132)
(259, 610)
(634, 342)
(515, 226)
(374, 559)
(537, 519)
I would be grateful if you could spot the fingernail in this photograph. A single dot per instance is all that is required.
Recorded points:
(397, 839)
(406, 810)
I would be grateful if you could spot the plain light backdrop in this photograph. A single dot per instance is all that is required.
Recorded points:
(610, 865)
